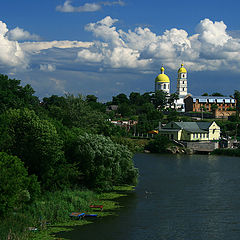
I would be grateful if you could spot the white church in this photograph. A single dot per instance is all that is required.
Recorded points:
(162, 82)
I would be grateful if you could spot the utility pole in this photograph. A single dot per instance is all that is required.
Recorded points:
(159, 126)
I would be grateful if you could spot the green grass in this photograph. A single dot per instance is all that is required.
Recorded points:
(227, 152)
(134, 145)
(49, 209)
(108, 200)
(50, 214)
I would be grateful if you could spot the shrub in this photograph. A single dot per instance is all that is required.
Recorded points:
(16, 187)
(158, 145)
(104, 163)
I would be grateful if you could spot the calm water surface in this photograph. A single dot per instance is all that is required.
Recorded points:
(178, 198)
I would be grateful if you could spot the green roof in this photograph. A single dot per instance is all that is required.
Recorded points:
(189, 126)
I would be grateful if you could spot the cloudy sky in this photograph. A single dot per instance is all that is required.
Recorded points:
(109, 47)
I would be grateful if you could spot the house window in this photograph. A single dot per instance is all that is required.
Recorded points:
(164, 86)
(172, 136)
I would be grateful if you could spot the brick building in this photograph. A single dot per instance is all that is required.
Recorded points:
(197, 103)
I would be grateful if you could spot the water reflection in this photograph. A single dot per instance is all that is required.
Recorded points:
(177, 198)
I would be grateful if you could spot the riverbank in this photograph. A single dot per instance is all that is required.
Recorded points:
(50, 214)
(227, 152)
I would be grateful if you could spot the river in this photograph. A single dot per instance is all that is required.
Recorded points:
(179, 197)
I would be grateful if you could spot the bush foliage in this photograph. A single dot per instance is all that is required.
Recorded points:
(16, 187)
(158, 145)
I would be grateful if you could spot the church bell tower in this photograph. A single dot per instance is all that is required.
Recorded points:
(182, 82)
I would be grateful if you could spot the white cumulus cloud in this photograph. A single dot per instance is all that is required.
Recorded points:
(87, 7)
(36, 47)
(90, 56)
(210, 48)
(47, 67)
(213, 33)
(11, 52)
(20, 34)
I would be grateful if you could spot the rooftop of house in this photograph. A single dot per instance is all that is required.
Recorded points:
(213, 99)
(188, 126)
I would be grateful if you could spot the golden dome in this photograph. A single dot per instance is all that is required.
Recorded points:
(162, 77)
(182, 69)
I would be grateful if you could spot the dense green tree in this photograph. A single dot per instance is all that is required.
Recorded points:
(36, 143)
(237, 98)
(13, 95)
(173, 97)
(119, 99)
(76, 112)
(135, 98)
(173, 116)
(91, 98)
(205, 94)
(146, 108)
(126, 110)
(214, 107)
(94, 104)
(97, 106)
(159, 144)
(145, 125)
(160, 100)
(16, 187)
(148, 118)
(146, 98)
(103, 163)
(217, 94)
(54, 106)
(54, 100)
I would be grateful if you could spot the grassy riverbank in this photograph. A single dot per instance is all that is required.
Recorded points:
(227, 152)
(50, 214)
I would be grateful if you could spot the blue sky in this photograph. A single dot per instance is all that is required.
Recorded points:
(108, 47)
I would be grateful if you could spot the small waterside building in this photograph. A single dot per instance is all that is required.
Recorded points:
(191, 131)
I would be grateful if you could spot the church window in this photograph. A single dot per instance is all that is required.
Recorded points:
(183, 89)
(183, 82)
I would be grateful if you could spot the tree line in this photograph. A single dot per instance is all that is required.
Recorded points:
(58, 143)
